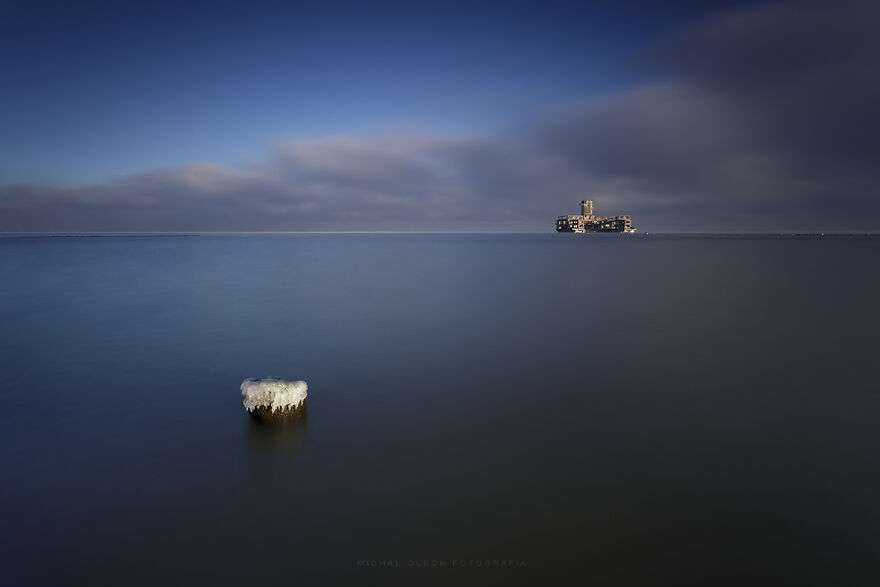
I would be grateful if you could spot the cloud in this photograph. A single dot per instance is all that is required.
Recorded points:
(758, 119)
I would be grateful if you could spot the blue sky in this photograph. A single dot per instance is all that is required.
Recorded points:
(99, 90)
(95, 94)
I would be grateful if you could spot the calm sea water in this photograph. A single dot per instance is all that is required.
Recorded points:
(491, 409)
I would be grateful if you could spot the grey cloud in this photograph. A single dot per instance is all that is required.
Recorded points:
(760, 119)
(805, 72)
(338, 183)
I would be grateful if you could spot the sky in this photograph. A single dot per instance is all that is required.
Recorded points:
(692, 116)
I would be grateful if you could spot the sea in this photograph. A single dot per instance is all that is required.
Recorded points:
(486, 409)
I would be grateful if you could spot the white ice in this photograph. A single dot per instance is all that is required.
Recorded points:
(273, 393)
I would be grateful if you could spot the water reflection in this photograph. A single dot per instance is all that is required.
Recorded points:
(283, 438)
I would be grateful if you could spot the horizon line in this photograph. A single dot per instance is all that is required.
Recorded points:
(427, 232)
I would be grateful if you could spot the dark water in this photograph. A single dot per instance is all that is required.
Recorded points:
(617, 411)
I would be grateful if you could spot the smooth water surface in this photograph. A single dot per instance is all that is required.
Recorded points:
(621, 410)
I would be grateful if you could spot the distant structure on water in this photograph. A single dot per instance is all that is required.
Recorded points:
(586, 222)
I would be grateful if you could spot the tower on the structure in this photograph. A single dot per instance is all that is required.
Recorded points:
(587, 209)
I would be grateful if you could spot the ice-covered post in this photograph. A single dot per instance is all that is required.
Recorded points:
(274, 397)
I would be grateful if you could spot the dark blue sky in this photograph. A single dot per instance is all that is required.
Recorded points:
(97, 97)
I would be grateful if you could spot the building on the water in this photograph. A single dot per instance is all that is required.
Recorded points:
(586, 222)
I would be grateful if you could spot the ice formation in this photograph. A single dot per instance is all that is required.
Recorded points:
(273, 395)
